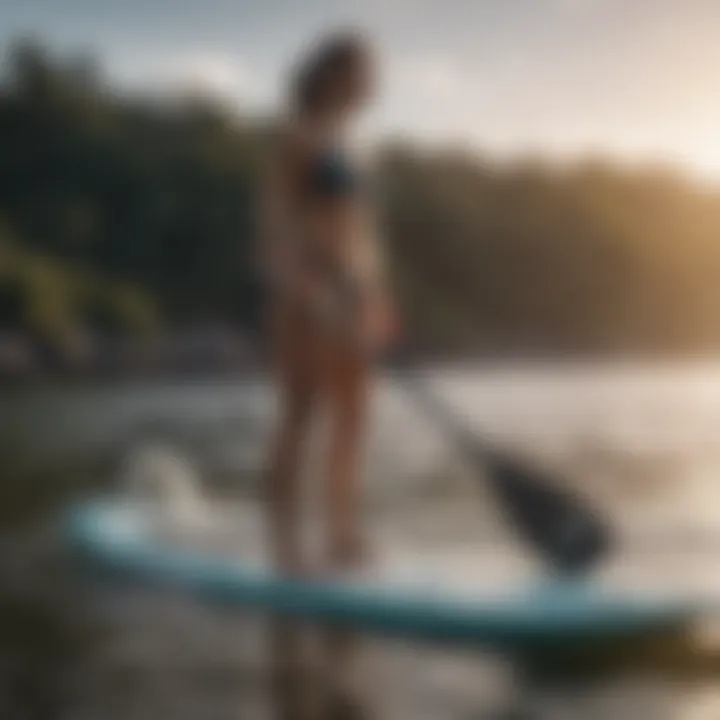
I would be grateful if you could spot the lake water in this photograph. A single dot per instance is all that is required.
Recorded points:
(641, 442)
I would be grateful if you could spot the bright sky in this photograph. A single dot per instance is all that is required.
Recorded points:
(636, 78)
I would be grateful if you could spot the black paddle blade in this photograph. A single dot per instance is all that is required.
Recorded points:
(556, 522)
(570, 535)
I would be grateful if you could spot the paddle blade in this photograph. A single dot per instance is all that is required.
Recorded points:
(556, 522)
(570, 535)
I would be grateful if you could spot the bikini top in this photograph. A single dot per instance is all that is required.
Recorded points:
(332, 175)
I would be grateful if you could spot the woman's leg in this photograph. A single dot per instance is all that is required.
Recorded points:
(296, 368)
(347, 394)
(298, 380)
(284, 478)
(347, 383)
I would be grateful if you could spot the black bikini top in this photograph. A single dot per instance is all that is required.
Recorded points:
(333, 176)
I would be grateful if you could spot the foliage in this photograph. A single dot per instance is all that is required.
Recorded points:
(122, 214)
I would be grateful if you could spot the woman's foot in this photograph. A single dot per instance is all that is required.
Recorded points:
(291, 563)
(351, 553)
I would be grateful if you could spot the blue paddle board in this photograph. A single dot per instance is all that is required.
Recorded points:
(117, 537)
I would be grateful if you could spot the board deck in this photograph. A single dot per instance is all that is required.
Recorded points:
(118, 537)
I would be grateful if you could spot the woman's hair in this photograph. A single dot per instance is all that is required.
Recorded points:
(334, 59)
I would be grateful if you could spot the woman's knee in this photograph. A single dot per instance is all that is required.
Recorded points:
(350, 399)
(299, 402)
(348, 423)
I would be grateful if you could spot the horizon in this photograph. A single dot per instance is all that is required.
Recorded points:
(636, 82)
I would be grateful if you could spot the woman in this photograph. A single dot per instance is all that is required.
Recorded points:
(330, 309)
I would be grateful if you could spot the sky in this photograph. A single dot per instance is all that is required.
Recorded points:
(637, 79)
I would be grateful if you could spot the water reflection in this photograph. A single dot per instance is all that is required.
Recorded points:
(75, 651)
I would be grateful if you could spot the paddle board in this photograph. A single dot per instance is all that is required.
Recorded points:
(118, 537)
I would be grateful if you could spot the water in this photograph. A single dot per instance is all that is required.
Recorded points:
(641, 442)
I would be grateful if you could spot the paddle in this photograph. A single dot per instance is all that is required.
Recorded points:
(562, 528)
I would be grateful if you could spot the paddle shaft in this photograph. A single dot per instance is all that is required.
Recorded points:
(563, 529)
